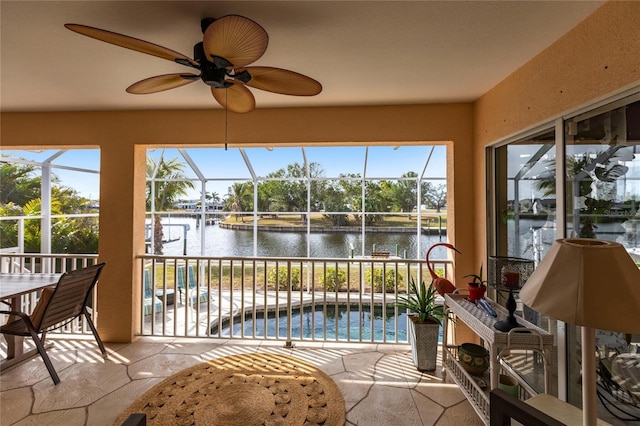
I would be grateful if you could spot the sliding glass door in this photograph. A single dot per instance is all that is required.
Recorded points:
(525, 196)
(577, 177)
(602, 157)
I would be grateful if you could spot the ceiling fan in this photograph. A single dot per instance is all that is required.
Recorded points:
(228, 45)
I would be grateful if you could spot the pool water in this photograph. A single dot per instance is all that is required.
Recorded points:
(347, 323)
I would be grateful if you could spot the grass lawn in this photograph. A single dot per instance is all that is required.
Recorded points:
(430, 219)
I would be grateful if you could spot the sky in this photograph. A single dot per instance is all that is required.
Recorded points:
(216, 163)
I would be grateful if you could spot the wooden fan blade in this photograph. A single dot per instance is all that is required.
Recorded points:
(281, 81)
(133, 44)
(161, 83)
(236, 98)
(235, 38)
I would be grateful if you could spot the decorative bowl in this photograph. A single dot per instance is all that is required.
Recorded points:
(473, 358)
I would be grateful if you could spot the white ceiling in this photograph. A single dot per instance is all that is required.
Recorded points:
(363, 52)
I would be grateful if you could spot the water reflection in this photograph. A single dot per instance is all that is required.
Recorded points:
(325, 322)
(225, 242)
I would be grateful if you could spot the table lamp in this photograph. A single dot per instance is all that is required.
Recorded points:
(591, 283)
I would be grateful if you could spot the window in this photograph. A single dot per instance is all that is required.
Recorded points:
(323, 202)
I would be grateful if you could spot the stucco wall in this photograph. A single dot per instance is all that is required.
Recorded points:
(123, 136)
(596, 59)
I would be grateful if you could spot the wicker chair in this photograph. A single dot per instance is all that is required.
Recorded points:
(57, 307)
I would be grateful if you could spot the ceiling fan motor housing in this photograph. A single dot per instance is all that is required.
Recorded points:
(211, 73)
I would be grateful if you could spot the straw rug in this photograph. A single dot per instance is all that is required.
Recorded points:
(244, 390)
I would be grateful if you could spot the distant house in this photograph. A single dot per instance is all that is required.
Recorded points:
(187, 204)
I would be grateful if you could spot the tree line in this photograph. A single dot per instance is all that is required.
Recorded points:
(20, 195)
(284, 190)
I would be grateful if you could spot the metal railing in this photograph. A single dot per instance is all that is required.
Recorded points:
(288, 299)
(36, 263)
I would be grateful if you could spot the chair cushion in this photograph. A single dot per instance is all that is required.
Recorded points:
(38, 311)
(18, 327)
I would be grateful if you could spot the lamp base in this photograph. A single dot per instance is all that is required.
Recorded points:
(510, 321)
(506, 324)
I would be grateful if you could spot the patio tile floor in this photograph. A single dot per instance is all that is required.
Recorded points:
(379, 383)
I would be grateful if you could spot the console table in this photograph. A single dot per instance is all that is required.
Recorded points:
(528, 336)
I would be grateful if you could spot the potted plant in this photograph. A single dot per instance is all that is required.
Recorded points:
(425, 318)
(477, 286)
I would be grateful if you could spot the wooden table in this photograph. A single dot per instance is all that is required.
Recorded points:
(12, 288)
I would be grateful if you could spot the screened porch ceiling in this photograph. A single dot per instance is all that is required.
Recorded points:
(362, 52)
(80, 167)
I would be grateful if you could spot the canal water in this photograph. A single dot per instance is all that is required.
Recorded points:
(531, 241)
(226, 242)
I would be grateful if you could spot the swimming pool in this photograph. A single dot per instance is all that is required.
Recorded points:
(343, 323)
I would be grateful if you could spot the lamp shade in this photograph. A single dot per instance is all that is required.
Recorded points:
(587, 282)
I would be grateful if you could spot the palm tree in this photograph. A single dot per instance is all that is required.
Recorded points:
(210, 197)
(585, 171)
(240, 197)
(18, 185)
(214, 197)
(168, 184)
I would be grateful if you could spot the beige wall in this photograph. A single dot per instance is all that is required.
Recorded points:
(123, 136)
(599, 57)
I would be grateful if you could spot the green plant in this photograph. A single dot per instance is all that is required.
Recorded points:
(421, 301)
(478, 279)
(334, 279)
(280, 277)
(389, 280)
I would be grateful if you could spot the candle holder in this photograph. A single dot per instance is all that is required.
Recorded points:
(509, 274)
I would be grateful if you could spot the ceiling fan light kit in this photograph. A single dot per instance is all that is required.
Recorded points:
(228, 46)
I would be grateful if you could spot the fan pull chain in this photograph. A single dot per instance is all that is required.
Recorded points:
(226, 115)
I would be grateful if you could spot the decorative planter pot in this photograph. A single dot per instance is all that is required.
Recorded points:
(509, 385)
(473, 358)
(424, 344)
(476, 292)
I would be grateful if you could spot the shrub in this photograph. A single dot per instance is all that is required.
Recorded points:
(280, 276)
(389, 280)
(333, 281)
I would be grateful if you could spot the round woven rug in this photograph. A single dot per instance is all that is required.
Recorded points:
(244, 390)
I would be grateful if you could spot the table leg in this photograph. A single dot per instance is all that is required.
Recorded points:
(15, 346)
(445, 327)
(494, 366)
(547, 370)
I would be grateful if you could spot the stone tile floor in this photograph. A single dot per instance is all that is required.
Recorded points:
(379, 383)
